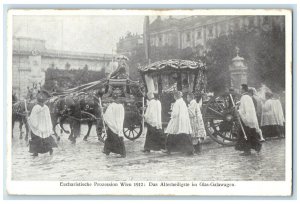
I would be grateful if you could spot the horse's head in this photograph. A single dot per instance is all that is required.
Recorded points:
(29, 94)
(59, 105)
(14, 98)
(19, 107)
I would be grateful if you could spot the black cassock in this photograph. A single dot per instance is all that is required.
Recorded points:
(41, 145)
(179, 143)
(252, 141)
(114, 144)
(155, 139)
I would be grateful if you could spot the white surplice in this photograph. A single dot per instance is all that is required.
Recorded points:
(279, 113)
(114, 118)
(272, 113)
(40, 121)
(152, 114)
(180, 121)
(159, 124)
(196, 119)
(247, 112)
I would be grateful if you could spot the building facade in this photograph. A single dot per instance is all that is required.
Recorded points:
(31, 59)
(126, 45)
(196, 31)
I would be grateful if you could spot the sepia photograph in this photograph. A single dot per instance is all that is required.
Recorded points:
(149, 102)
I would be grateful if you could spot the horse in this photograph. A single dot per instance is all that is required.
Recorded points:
(19, 114)
(90, 110)
(77, 109)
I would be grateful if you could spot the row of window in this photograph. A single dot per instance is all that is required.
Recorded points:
(234, 25)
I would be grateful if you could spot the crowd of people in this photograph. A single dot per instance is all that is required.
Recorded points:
(258, 119)
(185, 131)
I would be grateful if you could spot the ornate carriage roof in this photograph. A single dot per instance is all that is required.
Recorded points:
(172, 64)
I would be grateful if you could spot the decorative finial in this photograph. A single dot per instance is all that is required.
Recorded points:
(237, 49)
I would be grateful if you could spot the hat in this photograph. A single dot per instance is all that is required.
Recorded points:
(116, 93)
(42, 96)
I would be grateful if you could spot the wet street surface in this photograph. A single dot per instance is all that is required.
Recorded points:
(85, 161)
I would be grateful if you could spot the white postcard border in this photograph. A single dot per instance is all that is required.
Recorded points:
(257, 188)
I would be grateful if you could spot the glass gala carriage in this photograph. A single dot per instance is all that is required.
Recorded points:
(164, 77)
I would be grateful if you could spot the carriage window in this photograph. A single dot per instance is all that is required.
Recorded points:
(164, 81)
(156, 84)
(172, 79)
(191, 78)
(150, 83)
(185, 81)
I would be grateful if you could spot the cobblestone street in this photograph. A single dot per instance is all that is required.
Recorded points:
(84, 161)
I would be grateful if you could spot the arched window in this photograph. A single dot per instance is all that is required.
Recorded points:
(67, 66)
(251, 22)
(188, 37)
(210, 31)
(265, 20)
(199, 34)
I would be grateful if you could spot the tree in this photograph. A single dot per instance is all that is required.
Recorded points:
(264, 53)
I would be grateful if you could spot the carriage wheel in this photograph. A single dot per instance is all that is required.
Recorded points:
(220, 120)
(133, 132)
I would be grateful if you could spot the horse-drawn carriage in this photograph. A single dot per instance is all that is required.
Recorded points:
(92, 100)
(166, 76)
(85, 104)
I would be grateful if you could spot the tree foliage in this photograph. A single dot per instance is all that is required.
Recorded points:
(262, 49)
(66, 79)
(264, 54)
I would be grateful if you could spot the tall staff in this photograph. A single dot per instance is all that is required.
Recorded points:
(143, 114)
(102, 114)
(146, 37)
(27, 118)
(238, 116)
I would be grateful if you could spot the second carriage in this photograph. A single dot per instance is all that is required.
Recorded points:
(164, 77)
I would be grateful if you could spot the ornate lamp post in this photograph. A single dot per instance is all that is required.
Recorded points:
(238, 71)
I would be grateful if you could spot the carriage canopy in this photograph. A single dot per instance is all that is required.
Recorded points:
(173, 74)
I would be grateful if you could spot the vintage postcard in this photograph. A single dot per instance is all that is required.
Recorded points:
(149, 102)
